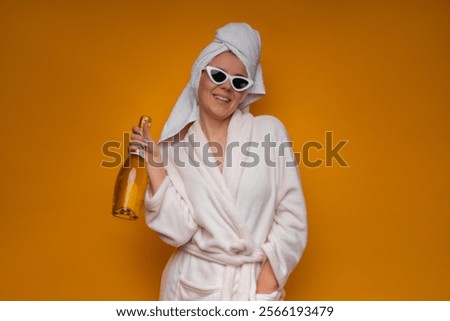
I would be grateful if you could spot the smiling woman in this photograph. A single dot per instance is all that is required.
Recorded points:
(75, 74)
(239, 230)
(218, 101)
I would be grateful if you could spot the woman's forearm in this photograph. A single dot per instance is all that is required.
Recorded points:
(156, 171)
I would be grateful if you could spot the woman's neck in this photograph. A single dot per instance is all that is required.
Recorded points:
(214, 129)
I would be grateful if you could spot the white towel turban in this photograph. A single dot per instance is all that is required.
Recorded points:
(245, 43)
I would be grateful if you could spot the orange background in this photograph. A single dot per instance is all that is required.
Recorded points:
(76, 74)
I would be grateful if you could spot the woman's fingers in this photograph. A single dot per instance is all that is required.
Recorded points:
(136, 130)
(146, 131)
(137, 137)
(136, 141)
(142, 134)
(142, 138)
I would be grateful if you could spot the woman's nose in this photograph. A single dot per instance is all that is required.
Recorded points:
(227, 85)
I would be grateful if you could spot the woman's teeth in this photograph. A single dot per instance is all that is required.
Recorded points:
(222, 98)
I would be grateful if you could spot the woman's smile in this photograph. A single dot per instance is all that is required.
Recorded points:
(220, 101)
(222, 98)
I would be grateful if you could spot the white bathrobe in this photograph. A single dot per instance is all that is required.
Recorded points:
(226, 223)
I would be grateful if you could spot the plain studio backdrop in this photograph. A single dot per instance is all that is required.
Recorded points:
(77, 74)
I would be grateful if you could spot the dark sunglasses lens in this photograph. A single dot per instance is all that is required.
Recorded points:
(240, 83)
(218, 76)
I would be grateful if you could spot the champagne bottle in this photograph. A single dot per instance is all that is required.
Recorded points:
(131, 183)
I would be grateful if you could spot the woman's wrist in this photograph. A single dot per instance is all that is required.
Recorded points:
(154, 159)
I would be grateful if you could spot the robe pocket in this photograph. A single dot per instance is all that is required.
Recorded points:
(273, 296)
(188, 291)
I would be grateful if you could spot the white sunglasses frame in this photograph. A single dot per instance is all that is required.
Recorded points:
(228, 77)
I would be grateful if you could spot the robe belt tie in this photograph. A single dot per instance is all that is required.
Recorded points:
(226, 259)
(240, 247)
(237, 265)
